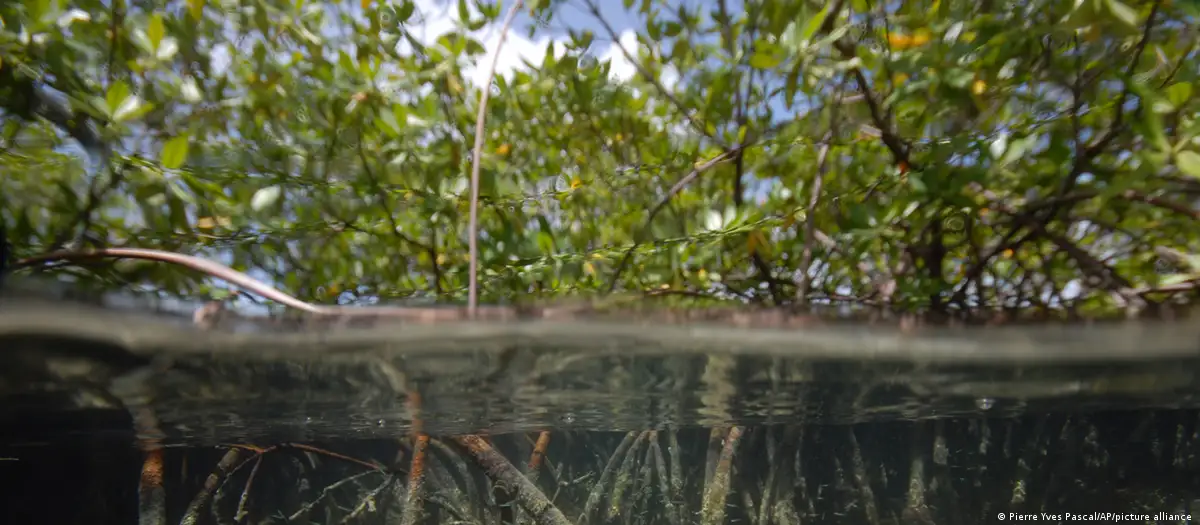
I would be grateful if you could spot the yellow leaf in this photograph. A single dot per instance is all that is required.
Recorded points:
(756, 242)
(441, 258)
(455, 87)
(901, 41)
(922, 37)
(576, 183)
(620, 137)
(978, 87)
(898, 41)
(196, 8)
(503, 149)
(589, 268)
(208, 223)
(701, 273)
(899, 79)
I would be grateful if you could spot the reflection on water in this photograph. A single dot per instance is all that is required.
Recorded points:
(125, 420)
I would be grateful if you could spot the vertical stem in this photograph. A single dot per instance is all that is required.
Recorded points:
(152, 497)
(416, 479)
(663, 480)
(539, 452)
(480, 119)
(676, 474)
(712, 512)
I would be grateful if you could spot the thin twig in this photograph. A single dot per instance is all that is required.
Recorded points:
(368, 502)
(325, 493)
(241, 510)
(679, 186)
(480, 119)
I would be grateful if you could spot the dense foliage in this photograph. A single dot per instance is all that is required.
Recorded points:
(933, 155)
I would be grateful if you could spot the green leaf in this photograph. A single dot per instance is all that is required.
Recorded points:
(1017, 149)
(1085, 13)
(405, 11)
(764, 59)
(1175, 278)
(653, 29)
(1179, 93)
(1189, 163)
(265, 198)
(958, 78)
(1150, 124)
(1123, 13)
(917, 182)
(815, 22)
(464, 13)
(117, 93)
(155, 31)
(131, 108)
(174, 152)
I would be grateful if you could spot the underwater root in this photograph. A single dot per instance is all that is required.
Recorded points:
(502, 472)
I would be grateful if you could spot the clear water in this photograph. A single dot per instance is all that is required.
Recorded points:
(641, 424)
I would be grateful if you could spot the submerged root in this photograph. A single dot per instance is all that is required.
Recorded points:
(501, 471)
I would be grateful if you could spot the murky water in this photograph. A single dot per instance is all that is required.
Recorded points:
(116, 417)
